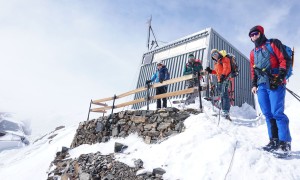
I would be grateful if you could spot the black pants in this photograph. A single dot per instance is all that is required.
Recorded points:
(274, 128)
(161, 90)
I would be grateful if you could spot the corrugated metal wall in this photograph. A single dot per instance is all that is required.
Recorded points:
(242, 83)
(175, 66)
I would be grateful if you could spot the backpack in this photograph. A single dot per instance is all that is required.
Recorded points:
(233, 64)
(167, 76)
(290, 60)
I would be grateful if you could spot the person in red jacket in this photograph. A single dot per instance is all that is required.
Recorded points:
(269, 85)
(222, 70)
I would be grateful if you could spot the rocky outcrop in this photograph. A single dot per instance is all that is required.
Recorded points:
(153, 126)
(98, 167)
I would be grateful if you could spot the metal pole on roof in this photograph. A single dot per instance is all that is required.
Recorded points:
(149, 27)
(150, 30)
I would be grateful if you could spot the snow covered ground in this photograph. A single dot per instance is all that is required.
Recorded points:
(203, 151)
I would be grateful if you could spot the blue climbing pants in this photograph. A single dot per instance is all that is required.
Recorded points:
(272, 105)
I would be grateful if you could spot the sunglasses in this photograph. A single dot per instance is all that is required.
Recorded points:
(214, 54)
(255, 33)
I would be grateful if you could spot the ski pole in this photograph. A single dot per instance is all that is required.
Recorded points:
(263, 71)
(199, 91)
(221, 104)
(293, 94)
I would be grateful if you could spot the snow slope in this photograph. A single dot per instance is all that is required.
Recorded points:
(32, 162)
(203, 151)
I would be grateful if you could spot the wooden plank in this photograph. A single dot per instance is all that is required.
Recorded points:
(119, 105)
(99, 110)
(176, 93)
(171, 81)
(132, 92)
(170, 94)
(102, 100)
(130, 103)
(100, 104)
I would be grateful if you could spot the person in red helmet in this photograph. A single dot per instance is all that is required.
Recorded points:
(269, 85)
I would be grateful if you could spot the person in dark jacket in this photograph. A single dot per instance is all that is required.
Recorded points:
(222, 70)
(271, 89)
(160, 75)
(193, 66)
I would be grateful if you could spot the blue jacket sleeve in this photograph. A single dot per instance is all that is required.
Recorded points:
(153, 77)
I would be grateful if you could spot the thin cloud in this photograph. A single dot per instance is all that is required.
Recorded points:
(57, 55)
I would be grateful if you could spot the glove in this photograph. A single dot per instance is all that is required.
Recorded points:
(161, 80)
(148, 81)
(277, 80)
(222, 78)
(208, 70)
(282, 74)
(202, 73)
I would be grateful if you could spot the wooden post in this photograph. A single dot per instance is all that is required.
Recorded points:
(113, 106)
(148, 96)
(89, 110)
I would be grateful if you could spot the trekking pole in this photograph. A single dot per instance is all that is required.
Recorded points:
(199, 91)
(221, 104)
(170, 103)
(207, 87)
(263, 71)
(220, 107)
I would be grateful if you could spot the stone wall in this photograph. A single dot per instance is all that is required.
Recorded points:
(153, 126)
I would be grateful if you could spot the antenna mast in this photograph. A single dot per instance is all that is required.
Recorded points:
(153, 42)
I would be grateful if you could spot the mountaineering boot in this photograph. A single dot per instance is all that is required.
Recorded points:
(225, 114)
(272, 145)
(284, 147)
(228, 117)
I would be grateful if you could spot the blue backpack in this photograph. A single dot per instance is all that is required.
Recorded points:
(290, 60)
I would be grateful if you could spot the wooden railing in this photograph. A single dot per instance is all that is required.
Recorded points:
(101, 102)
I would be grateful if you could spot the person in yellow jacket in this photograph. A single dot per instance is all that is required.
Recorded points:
(222, 69)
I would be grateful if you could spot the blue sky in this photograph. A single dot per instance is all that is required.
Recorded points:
(57, 55)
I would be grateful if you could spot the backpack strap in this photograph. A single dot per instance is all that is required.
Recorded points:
(269, 48)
